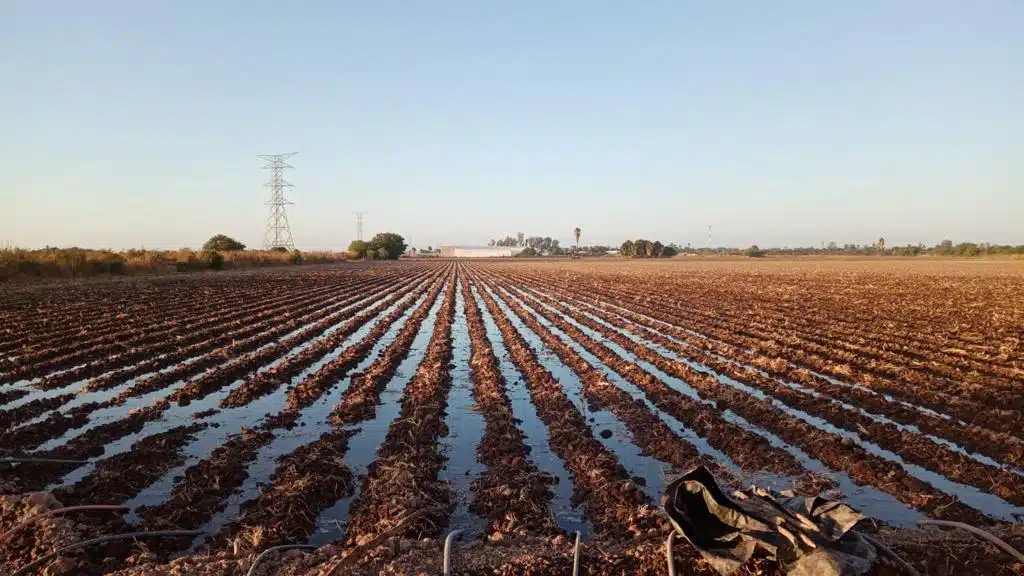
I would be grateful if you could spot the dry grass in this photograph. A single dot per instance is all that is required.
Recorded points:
(78, 262)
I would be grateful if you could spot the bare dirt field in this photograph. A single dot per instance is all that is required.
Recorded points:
(371, 409)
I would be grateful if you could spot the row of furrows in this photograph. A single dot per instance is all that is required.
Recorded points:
(259, 320)
(900, 347)
(612, 500)
(909, 334)
(891, 372)
(42, 310)
(404, 478)
(137, 313)
(927, 370)
(260, 335)
(512, 494)
(158, 356)
(647, 430)
(750, 451)
(102, 372)
(65, 309)
(925, 312)
(202, 490)
(313, 477)
(261, 332)
(165, 330)
(864, 467)
(912, 447)
(870, 337)
(984, 415)
(208, 383)
(32, 435)
(651, 324)
(735, 361)
(269, 380)
(58, 423)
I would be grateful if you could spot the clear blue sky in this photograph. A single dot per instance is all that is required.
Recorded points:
(136, 123)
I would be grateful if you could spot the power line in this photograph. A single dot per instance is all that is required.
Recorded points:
(359, 224)
(279, 233)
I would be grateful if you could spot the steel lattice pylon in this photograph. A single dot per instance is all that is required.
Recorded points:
(279, 233)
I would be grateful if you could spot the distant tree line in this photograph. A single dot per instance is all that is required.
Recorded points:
(533, 245)
(944, 248)
(642, 248)
(218, 253)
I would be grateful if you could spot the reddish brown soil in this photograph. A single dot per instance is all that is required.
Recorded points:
(512, 494)
(895, 340)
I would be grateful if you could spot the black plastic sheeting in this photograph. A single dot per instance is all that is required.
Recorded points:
(807, 536)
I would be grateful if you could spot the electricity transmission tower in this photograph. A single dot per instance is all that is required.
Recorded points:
(279, 233)
(359, 224)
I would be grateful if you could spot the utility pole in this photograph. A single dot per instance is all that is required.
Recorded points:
(279, 233)
(359, 224)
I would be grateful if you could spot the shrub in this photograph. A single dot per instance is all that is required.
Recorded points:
(358, 249)
(215, 260)
(755, 252)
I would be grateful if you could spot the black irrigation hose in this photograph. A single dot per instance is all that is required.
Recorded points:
(256, 562)
(20, 460)
(26, 569)
(977, 532)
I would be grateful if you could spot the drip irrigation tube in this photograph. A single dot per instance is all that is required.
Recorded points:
(265, 553)
(447, 565)
(978, 532)
(26, 569)
(358, 551)
(20, 460)
(28, 521)
(576, 556)
(668, 553)
(903, 564)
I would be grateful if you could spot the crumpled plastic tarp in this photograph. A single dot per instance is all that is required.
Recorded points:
(808, 536)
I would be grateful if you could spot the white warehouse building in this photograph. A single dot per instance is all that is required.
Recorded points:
(479, 251)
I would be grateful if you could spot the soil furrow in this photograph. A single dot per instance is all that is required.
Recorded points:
(512, 493)
(612, 500)
(750, 451)
(405, 476)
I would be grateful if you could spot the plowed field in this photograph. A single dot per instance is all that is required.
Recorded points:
(512, 400)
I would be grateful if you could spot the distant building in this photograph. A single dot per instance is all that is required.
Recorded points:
(479, 251)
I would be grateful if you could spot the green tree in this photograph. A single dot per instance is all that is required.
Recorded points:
(627, 248)
(392, 244)
(755, 252)
(222, 243)
(358, 248)
(527, 253)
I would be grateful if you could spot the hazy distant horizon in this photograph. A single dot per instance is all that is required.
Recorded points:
(785, 124)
